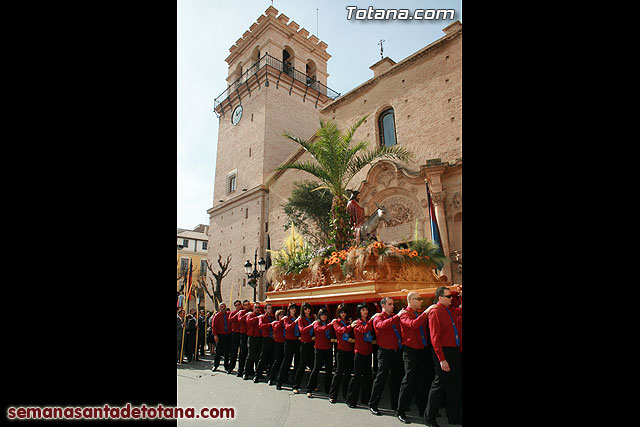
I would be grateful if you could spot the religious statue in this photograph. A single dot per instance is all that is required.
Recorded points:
(356, 212)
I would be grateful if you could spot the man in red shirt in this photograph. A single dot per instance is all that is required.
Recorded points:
(221, 331)
(418, 366)
(236, 337)
(255, 341)
(266, 357)
(389, 340)
(323, 352)
(445, 324)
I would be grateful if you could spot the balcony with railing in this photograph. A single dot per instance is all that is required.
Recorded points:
(280, 68)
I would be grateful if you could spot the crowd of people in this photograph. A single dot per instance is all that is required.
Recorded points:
(415, 353)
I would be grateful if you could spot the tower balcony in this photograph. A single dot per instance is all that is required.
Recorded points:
(271, 70)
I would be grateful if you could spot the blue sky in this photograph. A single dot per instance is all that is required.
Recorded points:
(208, 28)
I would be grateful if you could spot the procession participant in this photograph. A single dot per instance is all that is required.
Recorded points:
(266, 330)
(211, 344)
(244, 348)
(221, 332)
(179, 328)
(418, 366)
(356, 214)
(305, 326)
(322, 352)
(235, 335)
(255, 341)
(389, 355)
(344, 367)
(190, 336)
(362, 359)
(445, 324)
(278, 346)
(291, 345)
(201, 333)
(375, 345)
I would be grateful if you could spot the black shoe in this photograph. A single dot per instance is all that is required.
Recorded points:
(239, 375)
(245, 377)
(256, 379)
(352, 405)
(403, 418)
(374, 410)
(278, 386)
(271, 382)
(332, 400)
(215, 368)
(229, 372)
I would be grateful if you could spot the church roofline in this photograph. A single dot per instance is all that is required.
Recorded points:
(452, 30)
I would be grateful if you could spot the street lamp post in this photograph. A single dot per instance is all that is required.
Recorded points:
(255, 274)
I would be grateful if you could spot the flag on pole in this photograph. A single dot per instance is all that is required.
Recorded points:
(435, 231)
(189, 286)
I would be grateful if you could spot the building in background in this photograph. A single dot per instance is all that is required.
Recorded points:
(278, 81)
(193, 247)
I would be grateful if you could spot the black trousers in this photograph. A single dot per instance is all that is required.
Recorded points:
(389, 362)
(361, 381)
(445, 384)
(306, 359)
(253, 357)
(189, 344)
(323, 358)
(291, 351)
(418, 375)
(179, 346)
(222, 351)
(266, 357)
(278, 357)
(344, 369)
(238, 343)
(202, 335)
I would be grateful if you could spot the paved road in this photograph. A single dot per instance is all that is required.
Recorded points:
(263, 405)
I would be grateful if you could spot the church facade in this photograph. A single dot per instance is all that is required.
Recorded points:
(278, 81)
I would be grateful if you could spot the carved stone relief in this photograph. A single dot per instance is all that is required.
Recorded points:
(401, 210)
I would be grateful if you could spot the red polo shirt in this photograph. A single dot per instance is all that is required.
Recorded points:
(252, 320)
(242, 318)
(319, 329)
(217, 324)
(342, 327)
(410, 323)
(441, 328)
(265, 325)
(362, 347)
(278, 330)
(385, 335)
(289, 328)
(305, 325)
(235, 322)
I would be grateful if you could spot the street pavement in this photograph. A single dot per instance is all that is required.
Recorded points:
(262, 405)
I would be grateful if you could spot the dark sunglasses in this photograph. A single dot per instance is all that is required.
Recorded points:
(448, 296)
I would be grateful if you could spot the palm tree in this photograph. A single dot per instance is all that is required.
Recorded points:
(336, 163)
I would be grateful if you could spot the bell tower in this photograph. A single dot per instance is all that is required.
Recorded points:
(277, 81)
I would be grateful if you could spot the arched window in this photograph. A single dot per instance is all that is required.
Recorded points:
(387, 127)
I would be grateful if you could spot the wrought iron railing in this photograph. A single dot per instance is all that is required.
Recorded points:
(282, 68)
